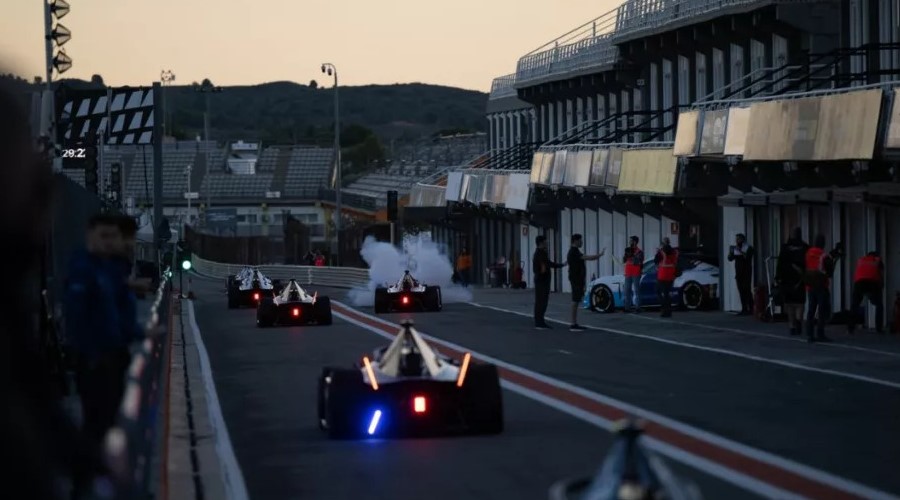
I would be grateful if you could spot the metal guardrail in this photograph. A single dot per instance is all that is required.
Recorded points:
(427, 195)
(339, 277)
(130, 446)
(503, 86)
(619, 145)
(635, 17)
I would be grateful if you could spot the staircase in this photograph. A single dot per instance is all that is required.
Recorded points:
(281, 169)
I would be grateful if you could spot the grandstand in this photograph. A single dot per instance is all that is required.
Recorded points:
(447, 150)
(295, 173)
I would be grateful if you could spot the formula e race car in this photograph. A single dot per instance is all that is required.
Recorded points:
(408, 389)
(293, 306)
(248, 287)
(408, 294)
(629, 471)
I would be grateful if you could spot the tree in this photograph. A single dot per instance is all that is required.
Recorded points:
(313, 84)
(97, 80)
(206, 82)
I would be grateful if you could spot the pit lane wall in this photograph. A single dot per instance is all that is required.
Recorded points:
(340, 277)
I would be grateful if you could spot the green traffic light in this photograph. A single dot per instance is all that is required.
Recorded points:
(186, 265)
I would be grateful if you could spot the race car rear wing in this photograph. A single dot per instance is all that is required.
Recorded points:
(408, 336)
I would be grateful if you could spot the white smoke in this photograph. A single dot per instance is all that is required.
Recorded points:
(424, 260)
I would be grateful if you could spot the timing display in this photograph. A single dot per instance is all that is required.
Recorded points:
(74, 153)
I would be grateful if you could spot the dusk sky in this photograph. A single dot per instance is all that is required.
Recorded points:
(465, 43)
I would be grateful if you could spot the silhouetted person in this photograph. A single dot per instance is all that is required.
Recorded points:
(40, 443)
(578, 276)
(742, 254)
(789, 277)
(541, 266)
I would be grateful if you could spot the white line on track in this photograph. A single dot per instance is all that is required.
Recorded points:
(786, 364)
(700, 463)
(235, 488)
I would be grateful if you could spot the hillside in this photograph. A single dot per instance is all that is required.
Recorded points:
(287, 112)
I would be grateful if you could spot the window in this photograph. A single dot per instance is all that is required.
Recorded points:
(718, 72)
(684, 80)
(701, 76)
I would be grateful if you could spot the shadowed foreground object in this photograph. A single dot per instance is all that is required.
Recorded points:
(630, 472)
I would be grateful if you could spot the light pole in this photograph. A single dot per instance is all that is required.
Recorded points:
(56, 36)
(187, 173)
(331, 69)
(207, 88)
(167, 77)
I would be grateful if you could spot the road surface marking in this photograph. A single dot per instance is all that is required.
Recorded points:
(235, 488)
(754, 470)
(786, 364)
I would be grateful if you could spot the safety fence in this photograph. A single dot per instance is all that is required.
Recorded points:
(340, 277)
(132, 447)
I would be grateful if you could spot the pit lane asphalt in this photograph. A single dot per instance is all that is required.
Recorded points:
(266, 383)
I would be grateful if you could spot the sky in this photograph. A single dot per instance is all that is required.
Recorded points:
(463, 43)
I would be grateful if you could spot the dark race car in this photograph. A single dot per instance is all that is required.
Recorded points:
(248, 288)
(629, 471)
(408, 389)
(408, 294)
(293, 306)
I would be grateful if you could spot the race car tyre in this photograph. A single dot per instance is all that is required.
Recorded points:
(602, 299)
(692, 296)
(265, 313)
(482, 403)
(322, 311)
(382, 301)
(342, 395)
(433, 298)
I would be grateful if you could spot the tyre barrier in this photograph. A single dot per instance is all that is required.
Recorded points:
(339, 277)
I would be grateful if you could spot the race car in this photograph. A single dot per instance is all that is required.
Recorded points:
(293, 306)
(248, 287)
(409, 389)
(629, 471)
(408, 294)
(695, 288)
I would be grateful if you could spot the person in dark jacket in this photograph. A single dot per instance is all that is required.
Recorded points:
(94, 325)
(789, 279)
(742, 254)
(541, 266)
(122, 262)
(41, 444)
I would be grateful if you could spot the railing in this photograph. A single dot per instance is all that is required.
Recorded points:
(339, 277)
(584, 48)
(618, 145)
(801, 95)
(503, 86)
(636, 17)
(134, 442)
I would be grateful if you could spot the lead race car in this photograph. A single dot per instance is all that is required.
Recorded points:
(293, 306)
(407, 294)
(248, 287)
(409, 389)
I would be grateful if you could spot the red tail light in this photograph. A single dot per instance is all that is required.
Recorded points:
(255, 296)
(405, 300)
(419, 404)
(296, 312)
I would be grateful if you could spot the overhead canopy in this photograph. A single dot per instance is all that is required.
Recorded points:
(648, 171)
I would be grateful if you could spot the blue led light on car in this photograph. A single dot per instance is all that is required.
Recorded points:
(373, 424)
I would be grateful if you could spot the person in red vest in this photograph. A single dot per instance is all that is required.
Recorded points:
(634, 265)
(666, 272)
(320, 259)
(818, 271)
(868, 282)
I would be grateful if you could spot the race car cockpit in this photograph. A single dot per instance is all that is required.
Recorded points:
(407, 282)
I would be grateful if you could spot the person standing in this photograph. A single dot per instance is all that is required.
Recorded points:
(578, 276)
(634, 265)
(666, 271)
(464, 267)
(819, 267)
(789, 278)
(868, 283)
(541, 266)
(742, 254)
